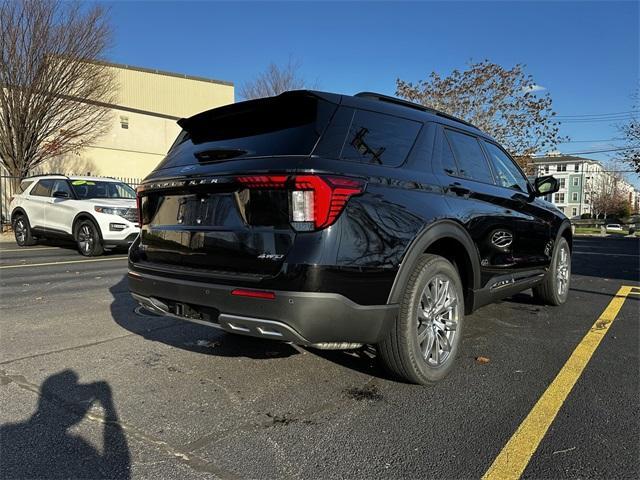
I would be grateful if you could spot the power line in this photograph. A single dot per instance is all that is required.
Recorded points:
(592, 151)
(596, 120)
(589, 115)
(618, 139)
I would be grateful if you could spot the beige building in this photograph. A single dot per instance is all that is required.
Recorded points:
(143, 121)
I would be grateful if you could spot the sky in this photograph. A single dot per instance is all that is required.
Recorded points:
(585, 54)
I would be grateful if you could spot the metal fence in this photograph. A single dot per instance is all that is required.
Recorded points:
(10, 185)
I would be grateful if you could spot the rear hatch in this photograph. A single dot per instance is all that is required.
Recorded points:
(227, 200)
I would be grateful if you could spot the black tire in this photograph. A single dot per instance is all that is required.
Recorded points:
(401, 351)
(22, 231)
(549, 291)
(88, 238)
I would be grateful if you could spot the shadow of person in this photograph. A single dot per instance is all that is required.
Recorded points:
(44, 445)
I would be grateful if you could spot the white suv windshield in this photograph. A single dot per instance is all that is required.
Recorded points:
(85, 189)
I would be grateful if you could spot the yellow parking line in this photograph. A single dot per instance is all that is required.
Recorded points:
(516, 454)
(62, 263)
(2, 250)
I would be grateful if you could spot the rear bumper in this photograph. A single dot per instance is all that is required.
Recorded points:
(303, 318)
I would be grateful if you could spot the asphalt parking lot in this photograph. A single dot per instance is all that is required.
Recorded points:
(92, 387)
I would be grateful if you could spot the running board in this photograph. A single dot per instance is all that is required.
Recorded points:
(504, 287)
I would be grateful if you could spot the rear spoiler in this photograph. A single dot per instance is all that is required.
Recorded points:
(191, 124)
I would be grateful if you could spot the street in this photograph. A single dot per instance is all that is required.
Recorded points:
(92, 386)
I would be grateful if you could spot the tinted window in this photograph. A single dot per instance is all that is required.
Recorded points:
(379, 139)
(471, 161)
(275, 126)
(42, 189)
(61, 186)
(506, 172)
(96, 189)
(448, 160)
(24, 185)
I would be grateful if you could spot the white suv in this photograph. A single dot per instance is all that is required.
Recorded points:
(97, 213)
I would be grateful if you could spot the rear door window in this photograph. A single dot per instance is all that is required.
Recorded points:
(379, 139)
(472, 163)
(42, 189)
(448, 160)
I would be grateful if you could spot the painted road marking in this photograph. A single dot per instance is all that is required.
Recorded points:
(517, 453)
(2, 250)
(25, 265)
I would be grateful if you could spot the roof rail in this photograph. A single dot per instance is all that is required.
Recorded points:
(405, 103)
(47, 175)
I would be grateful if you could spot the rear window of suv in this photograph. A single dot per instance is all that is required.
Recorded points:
(379, 139)
(42, 188)
(277, 126)
(24, 185)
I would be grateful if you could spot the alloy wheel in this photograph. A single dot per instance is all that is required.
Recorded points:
(20, 230)
(86, 238)
(563, 271)
(437, 320)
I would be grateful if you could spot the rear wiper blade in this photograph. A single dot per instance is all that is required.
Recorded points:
(219, 154)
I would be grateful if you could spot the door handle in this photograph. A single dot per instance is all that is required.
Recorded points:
(458, 189)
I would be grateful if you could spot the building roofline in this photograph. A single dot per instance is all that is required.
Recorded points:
(564, 158)
(163, 72)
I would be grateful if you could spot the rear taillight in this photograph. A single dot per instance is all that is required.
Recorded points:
(315, 201)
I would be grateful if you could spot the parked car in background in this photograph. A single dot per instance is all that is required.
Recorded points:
(615, 227)
(334, 221)
(97, 213)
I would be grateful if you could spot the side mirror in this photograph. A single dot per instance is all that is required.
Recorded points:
(60, 194)
(545, 185)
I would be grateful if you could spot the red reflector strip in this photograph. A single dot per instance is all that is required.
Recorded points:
(263, 181)
(254, 294)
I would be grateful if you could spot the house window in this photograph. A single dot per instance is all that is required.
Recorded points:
(574, 211)
(562, 182)
(561, 209)
(576, 181)
(546, 169)
(124, 123)
(574, 197)
(559, 197)
(561, 167)
(576, 167)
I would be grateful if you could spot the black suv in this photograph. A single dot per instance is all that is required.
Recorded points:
(334, 221)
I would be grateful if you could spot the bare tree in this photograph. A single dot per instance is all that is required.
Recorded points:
(631, 134)
(53, 87)
(275, 80)
(607, 195)
(507, 104)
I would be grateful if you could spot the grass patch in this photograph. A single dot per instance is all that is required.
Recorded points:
(587, 230)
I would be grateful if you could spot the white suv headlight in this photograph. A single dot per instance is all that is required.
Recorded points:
(121, 212)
